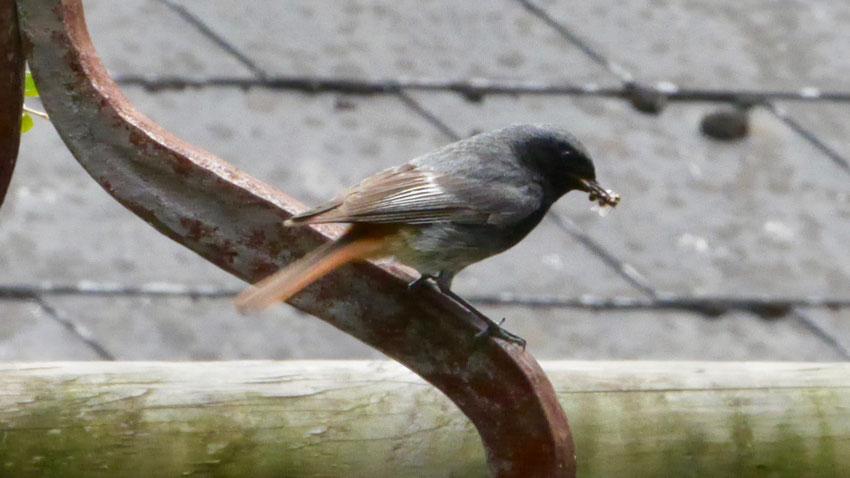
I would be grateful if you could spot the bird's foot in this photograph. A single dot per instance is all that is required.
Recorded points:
(422, 281)
(495, 330)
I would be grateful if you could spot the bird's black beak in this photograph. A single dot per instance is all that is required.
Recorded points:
(598, 193)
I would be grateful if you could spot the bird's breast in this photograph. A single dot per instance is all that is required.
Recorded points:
(449, 247)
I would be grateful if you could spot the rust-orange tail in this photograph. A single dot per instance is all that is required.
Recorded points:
(288, 281)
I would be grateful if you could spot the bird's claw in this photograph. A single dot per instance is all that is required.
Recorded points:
(423, 280)
(495, 330)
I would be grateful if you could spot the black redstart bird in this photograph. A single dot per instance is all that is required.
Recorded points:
(445, 210)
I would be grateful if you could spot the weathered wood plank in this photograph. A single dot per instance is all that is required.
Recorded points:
(377, 419)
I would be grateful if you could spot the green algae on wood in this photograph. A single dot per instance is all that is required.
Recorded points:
(352, 418)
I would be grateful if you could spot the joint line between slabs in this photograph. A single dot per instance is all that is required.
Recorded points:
(219, 40)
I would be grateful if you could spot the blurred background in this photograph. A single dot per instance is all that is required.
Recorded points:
(719, 250)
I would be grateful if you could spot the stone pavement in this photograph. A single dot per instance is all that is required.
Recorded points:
(765, 216)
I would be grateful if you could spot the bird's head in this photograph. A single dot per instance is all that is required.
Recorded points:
(561, 161)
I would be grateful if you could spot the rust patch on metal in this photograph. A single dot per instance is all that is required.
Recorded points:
(223, 253)
(263, 268)
(257, 239)
(197, 230)
(234, 221)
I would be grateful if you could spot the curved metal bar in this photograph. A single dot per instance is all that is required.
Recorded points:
(11, 93)
(235, 222)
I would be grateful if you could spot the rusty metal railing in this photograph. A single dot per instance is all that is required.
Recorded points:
(11, 93)
(235, 222)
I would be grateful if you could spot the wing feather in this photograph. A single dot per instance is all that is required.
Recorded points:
(409, 195)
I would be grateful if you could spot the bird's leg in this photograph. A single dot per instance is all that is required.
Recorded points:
(422, 281)
(444, 283)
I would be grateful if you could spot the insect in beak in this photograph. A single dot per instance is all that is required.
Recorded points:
(605, 197)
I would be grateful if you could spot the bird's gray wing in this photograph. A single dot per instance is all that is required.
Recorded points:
(410, 195)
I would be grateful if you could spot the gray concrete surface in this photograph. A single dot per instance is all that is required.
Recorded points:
(763, 216)
(386, 38)
(757, 44)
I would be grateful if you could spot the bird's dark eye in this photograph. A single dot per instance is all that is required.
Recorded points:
(580, 165)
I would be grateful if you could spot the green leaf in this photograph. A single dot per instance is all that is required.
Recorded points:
(26, 123)
(29, 86)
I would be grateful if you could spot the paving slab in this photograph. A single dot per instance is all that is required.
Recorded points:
(370, 39)
(185, 329)
(756, 44)
(28, 333)
(834, 322)
(145, 37)
(661, 335)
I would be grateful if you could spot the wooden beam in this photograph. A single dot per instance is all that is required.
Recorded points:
(377, 419)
